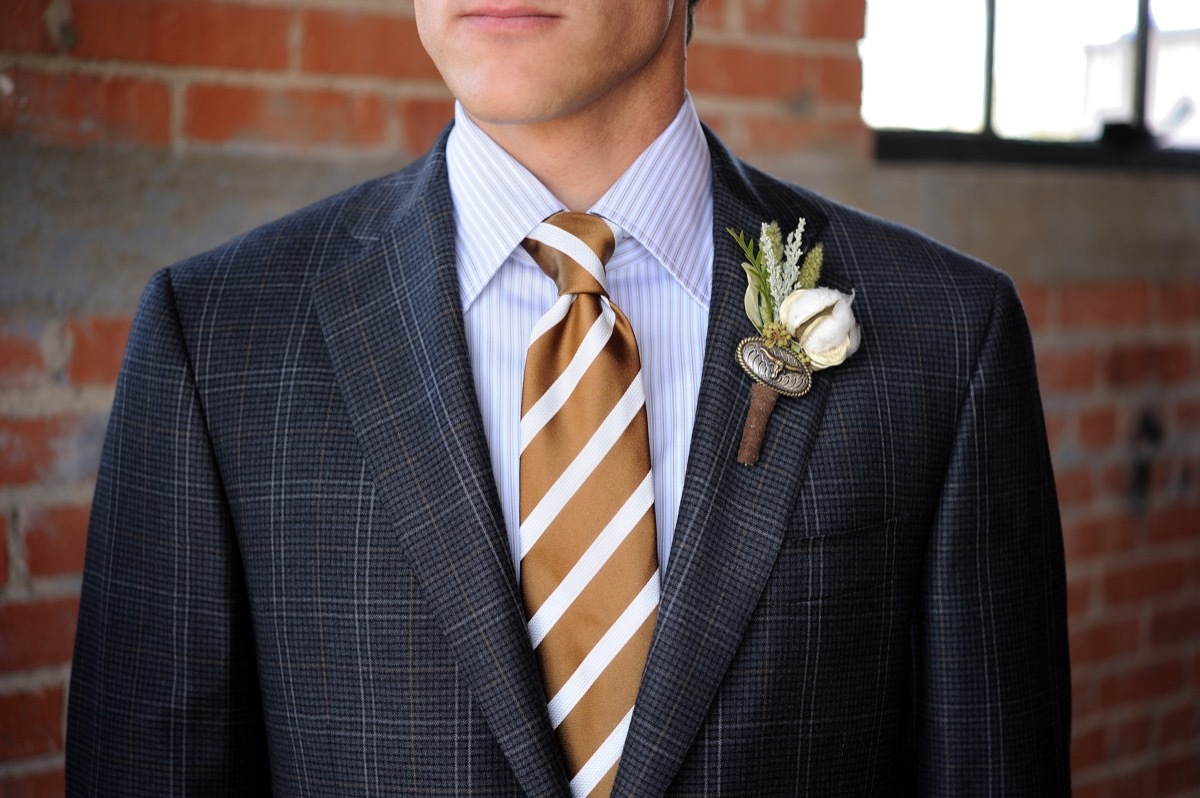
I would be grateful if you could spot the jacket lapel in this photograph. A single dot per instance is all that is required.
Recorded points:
(392, 322)
(731, 517)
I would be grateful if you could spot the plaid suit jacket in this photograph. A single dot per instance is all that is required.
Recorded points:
(297, 580)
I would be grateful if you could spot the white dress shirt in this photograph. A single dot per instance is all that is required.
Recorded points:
(660, 275)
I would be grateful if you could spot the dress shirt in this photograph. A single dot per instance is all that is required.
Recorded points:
(660, 275)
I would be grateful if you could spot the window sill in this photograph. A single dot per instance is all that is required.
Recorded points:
(1130, 153)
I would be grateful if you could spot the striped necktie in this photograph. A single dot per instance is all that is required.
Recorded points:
(589, 563)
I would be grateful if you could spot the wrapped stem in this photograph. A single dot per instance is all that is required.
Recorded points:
(762, 404)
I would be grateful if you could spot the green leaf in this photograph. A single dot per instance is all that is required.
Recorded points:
(747, 246)
(751, 302)
(810, 272)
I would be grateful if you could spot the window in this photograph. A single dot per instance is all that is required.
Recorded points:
(1060, 81)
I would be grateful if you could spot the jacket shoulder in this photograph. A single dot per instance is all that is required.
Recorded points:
(890, 266)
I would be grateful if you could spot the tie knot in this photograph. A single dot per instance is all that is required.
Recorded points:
(572, 248)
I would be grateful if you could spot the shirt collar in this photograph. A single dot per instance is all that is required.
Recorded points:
(663, 201)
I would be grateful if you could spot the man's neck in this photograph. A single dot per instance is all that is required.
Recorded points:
(579, 158)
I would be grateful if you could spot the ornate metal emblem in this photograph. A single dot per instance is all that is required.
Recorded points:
(775, 367)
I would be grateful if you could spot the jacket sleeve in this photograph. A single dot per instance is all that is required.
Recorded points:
(991, 713)
(164, 697)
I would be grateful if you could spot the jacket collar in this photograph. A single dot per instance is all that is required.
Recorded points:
(392, 323)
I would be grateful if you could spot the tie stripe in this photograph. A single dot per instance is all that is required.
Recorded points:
(589, 571)
(604, 652)
(603, 761)
(572, 479)
(553, 400)
(600, 552)
(571, 246)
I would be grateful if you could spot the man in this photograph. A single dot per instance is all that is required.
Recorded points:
(307, 568)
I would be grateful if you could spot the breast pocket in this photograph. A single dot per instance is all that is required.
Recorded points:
(816, 565)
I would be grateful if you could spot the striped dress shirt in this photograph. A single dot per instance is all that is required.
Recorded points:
(659, 275)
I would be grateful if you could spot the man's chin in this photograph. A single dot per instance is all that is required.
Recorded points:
(510, 112)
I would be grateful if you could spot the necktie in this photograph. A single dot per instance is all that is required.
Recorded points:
(589, 564)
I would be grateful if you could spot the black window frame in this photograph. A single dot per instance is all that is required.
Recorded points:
(1121, 144)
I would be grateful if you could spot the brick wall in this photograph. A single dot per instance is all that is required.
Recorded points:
(1119, 357)
(1119, 364)
(339, 76)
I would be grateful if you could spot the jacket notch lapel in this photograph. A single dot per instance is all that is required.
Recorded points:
(392, 323)
(732, 518)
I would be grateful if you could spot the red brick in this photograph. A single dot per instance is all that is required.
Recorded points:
(1129, 785)
(1035, 298)
(1131, 737)
(1075, 486)
(1104, 641)
(1088, 748)
(1105, 304)
(97, 347)
(1079, 596)
(48, 784)
(837, 19)
(710, 15)
(1180, 302)
(1095, 536)
(3, 549)
(819, 19)
(1098, 428)
(1181, 522)
(1057, 425)
(743, 72)
(423, 122)
(1186, 414)
(1144, 581)
(1085, 699)
(78, 110)
(1179, 775)
(1173, 363)
(21, 361)
(182, 32)
(31, 723)
(23, 30)
(1131, 365)
(363, 43)
(1141, 683)
(1175, 625)
(1179, 725)
(1162, 474)
(841, 81)
(1067, 370)
(37, 634)
(1115, 480)
(295, 117)
(30, 447)
(55, 539)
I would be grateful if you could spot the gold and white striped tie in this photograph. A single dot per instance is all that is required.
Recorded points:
(589, 563)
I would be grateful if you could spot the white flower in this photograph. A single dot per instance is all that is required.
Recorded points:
(821, 322)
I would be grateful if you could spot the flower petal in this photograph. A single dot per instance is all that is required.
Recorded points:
(801, 306)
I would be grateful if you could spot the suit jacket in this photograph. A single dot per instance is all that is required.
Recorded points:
(297, 579)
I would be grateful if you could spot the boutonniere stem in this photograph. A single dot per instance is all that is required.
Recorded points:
(801, 328)
(762, 404)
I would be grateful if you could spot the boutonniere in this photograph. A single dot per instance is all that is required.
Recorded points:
(801, 328)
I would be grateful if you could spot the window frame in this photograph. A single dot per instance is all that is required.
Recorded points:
(1128, 145)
